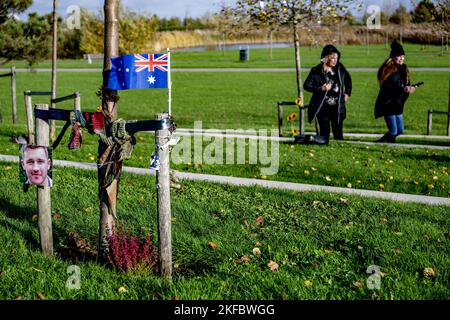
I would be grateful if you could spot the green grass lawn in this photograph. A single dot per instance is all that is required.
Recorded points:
(322, 243)
(241, 100)
(355, 56)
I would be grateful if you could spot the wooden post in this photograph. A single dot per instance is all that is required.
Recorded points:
(13, 94)
(77, 101)
(430, 122)
(43, 192)
(30, 116)
(162, 138)
(280, 120)
(448, 110)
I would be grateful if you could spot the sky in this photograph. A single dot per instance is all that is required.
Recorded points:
(163, 8)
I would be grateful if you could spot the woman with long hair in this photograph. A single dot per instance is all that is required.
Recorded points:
(395, 87)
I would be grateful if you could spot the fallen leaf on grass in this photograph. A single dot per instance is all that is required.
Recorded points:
(256, 251)
(56, 216)
(258, 244)
(358, 284)
(212, 245)
(308, 283)
(254, 235)
(246, 224)
(34, 217)
(8, 168)
(328, 178)
(344, 200)
(259, 220)
(122, 290)
(381, 186)
(273, 265)
(349, 185)
(397, 251)
(383, 221)
(41, 296)
(242, 259)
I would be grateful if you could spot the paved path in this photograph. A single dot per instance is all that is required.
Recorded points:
(242, 135)
(99, 70)
(262, 183)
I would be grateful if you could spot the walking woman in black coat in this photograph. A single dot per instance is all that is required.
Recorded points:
(331, 86)
(393, 77)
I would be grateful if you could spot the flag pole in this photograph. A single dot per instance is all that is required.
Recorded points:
(169, 83)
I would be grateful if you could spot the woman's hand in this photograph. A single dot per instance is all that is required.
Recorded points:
(410, 89)
(326, 87)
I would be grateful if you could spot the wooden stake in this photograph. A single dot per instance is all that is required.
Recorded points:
(13, 94)
(162, 138)
(430, 122)
(448, 110)
(43, 193)
(30, 116)
(77, 101)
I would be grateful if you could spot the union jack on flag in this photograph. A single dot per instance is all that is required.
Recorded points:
(139, 71)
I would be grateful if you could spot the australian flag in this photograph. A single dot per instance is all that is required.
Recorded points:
(139, 71)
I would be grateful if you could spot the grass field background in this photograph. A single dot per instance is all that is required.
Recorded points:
(354, 56)
(236, 100)
(322, 243)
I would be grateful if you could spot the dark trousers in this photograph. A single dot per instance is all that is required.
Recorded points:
(324, 119)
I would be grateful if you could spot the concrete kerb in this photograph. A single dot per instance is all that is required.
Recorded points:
(300, 187)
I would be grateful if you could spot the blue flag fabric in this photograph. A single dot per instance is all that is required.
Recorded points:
(139, 71)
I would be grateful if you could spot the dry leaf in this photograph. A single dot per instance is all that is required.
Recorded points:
(246, 224)
(254, 235)
(212, 245)
(381, 186)
(307, 283)
(397, 251)
(34, 217)
(122, 290)
(56, 216)
(328, 178)
(256, 251)
(349, 185)
(273, 265)
(41, 296)
(243, 259)
(258, 244)
(344, 200)
(358, 284)
(383, 221)
(259, 220)
(429, 272)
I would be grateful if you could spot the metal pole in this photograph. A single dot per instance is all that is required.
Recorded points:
(30, 116)
(13, 94)
(43, 192)
(162, 138)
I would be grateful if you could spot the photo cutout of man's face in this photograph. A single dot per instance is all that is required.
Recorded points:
(36, 163)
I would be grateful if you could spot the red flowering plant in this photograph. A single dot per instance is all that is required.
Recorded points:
(130, 253)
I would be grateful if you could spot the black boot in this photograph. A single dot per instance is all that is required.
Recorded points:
(384, 138)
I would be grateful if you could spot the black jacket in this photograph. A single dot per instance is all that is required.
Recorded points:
(315, 81)
(392, 97)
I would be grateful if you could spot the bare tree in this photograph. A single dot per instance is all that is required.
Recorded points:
(295, 13)
(109, 163)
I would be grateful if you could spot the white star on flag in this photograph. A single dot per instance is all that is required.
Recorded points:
(151, 80)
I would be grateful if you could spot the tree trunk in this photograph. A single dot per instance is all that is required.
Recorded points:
(109, 166)
(299, 77)
(54, 57)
